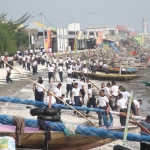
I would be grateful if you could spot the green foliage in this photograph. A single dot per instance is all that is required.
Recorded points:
(12, 35)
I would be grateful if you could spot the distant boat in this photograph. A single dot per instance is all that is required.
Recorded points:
(146, 83)
(111, 76)
(129, 70)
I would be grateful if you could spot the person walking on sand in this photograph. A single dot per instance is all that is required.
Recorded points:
(8, 73)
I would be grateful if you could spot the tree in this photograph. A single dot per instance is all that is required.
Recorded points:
(12, 34)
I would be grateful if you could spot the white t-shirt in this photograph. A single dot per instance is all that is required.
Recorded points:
(125, 95)
(100, 63)
(60, 69)
(8, 69)
(69, 71)
(122, 103)
(39, 89)
(76, 91)
(102, 101)
(60, 61)
(50, 69)
(57, 92)
(84, 70)
(69, 81)
(90, 92)
(80, 84)
(136, 103)
(107, 91)
(114, 90)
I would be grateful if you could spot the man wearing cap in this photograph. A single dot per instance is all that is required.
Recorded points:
(125, 93)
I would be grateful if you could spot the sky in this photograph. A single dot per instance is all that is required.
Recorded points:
(107, 12)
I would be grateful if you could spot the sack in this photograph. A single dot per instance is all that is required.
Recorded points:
(94, 93)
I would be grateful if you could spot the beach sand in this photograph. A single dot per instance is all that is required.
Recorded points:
(22, 88)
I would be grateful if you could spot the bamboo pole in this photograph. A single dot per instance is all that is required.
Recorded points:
(124, 112)
(127, 120)
(51, 94)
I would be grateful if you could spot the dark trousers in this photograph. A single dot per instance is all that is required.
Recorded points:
(23, 64)
(39, 96)
(85, 76)
(100, 115)
(100, 68)
(28, 66)
(82, 93)
(50, 75)
(69, 89)
(77, 101)
(91, 102)
(61, 76)
(34, 70)
(8, 78)
(123, 119)
(144, 146)
(133, 108)
(59, 102)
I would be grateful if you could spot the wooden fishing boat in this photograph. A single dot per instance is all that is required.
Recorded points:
(99, 75)
(33, 138)
(117, 69)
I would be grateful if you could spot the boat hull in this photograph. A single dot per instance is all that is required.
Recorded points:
(117, 69)
(104, 76)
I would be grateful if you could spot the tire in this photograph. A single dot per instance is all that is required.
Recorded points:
(50, 111)
(43, 111)
(49, 118)
(118, 147)
(36, 111)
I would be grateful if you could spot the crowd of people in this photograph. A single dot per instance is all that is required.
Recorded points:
(103, 98)
(76, 89)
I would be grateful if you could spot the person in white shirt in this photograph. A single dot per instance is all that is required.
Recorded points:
(125, 94)
(102, 103)
(50, 72)
(60, 49)
(103, 86)
(136, 110)
(40, 91)
(76, 95)
(67, 63)
(91, 100)
(114, 92)
(60, 61)
(82, 88)
(8, 73)
(34, 67)
(69, 83)
(60, 70)
(57, 92)
(122, 103)
(101, 65)
(69, 71)
(85, 72)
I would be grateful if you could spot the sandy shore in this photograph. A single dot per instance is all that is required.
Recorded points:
(22, 88)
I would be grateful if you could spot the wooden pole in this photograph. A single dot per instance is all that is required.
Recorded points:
(124, 112)
(52, 94)
(127, 120)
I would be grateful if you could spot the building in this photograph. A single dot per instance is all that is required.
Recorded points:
(144, 27)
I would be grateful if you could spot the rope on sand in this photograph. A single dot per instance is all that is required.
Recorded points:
(37, 104)
(83, 130)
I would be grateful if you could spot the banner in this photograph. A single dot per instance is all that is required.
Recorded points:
(99, 39)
